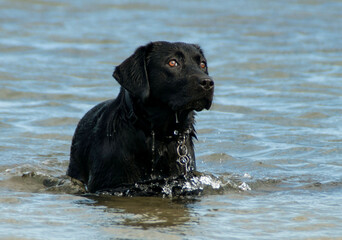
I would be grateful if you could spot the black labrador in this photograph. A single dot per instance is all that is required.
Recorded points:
(145, 133)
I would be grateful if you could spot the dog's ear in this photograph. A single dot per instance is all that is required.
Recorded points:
(132, 74)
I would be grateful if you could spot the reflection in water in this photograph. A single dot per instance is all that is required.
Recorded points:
(146, 212)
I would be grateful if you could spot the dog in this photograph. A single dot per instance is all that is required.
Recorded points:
(147, 132)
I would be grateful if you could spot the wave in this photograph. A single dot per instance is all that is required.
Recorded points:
(30, 178)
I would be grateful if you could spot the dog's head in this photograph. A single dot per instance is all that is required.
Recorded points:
(175, 74)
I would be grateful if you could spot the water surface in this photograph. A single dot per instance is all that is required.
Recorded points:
(273, 136)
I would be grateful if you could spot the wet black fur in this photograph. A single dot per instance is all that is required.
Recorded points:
(112, 144)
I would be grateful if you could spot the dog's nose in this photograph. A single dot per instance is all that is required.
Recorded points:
(207, 83)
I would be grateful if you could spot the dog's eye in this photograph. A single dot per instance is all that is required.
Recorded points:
(203, 65)
(173, 63)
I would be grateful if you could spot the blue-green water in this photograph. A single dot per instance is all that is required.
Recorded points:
(274, 133)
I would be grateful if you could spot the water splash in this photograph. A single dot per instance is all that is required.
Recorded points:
(193, 185)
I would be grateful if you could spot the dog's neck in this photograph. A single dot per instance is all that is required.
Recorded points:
(154, 116)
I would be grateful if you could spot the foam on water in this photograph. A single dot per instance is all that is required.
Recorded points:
(191, 185)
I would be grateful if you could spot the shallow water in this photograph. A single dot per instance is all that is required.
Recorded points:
(272, 142)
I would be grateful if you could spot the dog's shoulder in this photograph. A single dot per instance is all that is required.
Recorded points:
(98, 119)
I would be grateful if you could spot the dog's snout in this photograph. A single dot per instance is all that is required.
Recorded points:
(207, 83)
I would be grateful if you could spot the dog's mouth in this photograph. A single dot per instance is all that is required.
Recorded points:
(199, 105)
(196, 104)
